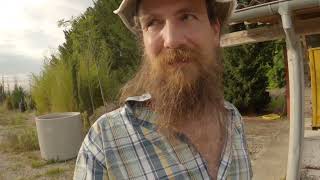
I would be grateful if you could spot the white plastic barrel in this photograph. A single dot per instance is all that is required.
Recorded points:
(59, 135)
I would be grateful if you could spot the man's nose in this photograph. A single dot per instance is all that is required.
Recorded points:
(173, 36)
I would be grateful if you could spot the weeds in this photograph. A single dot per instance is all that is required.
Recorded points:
(277, 104)
(55, 172)
(32, 156)
(16, 167)
(41, 163)
(20, 139)
(38, 164)
(25, 140)
(2, 108)
(20, 119)
(12, 118)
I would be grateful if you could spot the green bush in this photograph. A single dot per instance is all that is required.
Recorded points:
(276, 73)
(16, 99)
(17, 96)
(245, 77)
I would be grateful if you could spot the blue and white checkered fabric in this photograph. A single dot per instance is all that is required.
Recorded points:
(124, 144)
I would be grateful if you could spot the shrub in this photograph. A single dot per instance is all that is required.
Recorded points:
(276, 73)
(17, 96)
(8, 103)
(245, 77)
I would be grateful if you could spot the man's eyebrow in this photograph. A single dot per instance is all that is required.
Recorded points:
(146, 17)
(186, 10)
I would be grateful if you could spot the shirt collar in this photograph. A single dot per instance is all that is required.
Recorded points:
(143, 98)
(147, 97)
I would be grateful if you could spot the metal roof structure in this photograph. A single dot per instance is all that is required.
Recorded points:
(282, 19)
(305, 18)
(242, 5)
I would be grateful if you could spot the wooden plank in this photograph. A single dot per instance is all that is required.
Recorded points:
(310, 12)
(269, 33)
(252, 36)
(308, 27)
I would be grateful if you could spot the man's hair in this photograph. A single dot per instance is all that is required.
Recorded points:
(211, 11)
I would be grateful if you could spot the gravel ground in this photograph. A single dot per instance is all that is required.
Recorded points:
(260, 133)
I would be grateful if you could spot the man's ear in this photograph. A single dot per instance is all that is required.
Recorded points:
(216, 26)
(216, 30)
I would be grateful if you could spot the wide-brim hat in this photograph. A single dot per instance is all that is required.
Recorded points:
(127, 10)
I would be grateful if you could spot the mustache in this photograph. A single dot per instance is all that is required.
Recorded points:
(181, 55)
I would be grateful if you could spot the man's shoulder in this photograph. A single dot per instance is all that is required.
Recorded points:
(130, 113)
(236, 117)
(232, 108)
(241, 165)
(111, 119)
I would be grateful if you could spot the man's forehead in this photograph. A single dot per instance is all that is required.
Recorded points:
(154, 7)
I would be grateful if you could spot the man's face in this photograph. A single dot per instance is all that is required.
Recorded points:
(181, 68)
(168, 25)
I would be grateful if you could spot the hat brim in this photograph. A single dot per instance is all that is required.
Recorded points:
(127, 11)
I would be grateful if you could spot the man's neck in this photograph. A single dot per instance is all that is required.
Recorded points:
(207, 134)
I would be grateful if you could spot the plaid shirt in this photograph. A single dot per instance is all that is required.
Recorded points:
(124, 144)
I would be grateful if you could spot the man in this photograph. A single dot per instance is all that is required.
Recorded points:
(174, 123)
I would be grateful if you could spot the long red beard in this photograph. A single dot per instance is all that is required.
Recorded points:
(183, 85)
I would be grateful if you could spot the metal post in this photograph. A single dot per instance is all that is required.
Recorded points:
(296, 79)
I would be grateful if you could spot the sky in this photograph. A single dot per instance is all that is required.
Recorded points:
(29, 31)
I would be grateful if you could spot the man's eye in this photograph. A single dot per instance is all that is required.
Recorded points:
(187, 17)
(152, 23)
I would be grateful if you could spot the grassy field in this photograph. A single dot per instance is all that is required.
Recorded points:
(19, 151)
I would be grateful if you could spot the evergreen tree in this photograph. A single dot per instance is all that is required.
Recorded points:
(245, 77)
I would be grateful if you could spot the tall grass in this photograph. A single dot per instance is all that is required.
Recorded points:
(80, 87)
(97, 58)
(52, 91)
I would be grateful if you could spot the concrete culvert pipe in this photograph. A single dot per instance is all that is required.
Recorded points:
(60, 135)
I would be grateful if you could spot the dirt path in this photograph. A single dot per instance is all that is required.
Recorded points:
(23, 167)
(268, 143)
(268, 146)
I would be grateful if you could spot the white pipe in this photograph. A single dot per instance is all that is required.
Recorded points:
(272, 8)
(296, 81)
